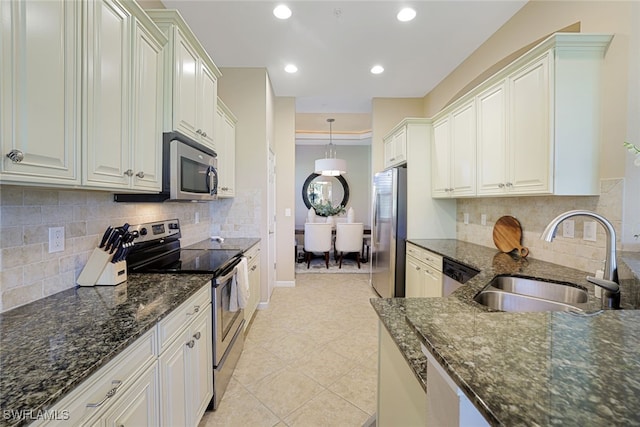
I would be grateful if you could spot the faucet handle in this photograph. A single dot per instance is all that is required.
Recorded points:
(609, 285)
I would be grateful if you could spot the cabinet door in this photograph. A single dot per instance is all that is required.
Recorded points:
(206, 108)
(174, 377)
(388, 152)
(138, 406)
(400, 146)
(441, 159)
(107, 146)
(200, 377)
(147, 111)
(463, 154)
(492, 140)
(228, 159)
(254, 289)
(431, 282)
(40, 91)
(414, 279)
(185, 87)
(531, 156)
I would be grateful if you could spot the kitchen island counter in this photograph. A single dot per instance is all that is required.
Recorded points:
(525, 368)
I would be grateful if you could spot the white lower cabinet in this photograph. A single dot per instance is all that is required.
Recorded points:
(165, 378)
(401, 398)
(423, 273)
(447, 405)
(253, 265)
(186, 372)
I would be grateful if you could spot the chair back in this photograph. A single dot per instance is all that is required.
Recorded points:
(317, 237)
(349, 236)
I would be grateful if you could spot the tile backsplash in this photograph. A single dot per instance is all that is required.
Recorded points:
(534, 213)
(29, 272)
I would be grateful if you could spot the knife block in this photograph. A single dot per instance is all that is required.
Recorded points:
(100, 271)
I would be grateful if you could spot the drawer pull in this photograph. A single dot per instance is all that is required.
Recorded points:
(16, 156)
(108, 396)
(191, 343)
(197, 335)
(195, 310)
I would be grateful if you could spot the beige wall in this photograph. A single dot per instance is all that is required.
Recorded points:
(246, 92)
(285, 140)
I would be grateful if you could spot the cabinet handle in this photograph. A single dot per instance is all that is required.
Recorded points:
(197, 335)
(199, 132)
(16, 156)
(254, 268)
(509, 184)
(204, 134)
(501, 185)
(140, 174)
(195, 310)
(128, 172)
(191, 343)
(109, 394)
(392, 159)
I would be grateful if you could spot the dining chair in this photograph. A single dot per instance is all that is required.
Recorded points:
(349, 239)
(317, 238)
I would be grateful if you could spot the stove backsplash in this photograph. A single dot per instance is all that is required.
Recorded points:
(29, 272)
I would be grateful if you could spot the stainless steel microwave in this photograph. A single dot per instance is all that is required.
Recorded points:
(189, 172)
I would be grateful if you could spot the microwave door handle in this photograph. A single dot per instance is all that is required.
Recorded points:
(212, 180)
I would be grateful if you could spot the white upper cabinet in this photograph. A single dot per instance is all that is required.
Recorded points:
(191, 81)
(395, 148)
(226, 149)
(82, 95)
(124, 93)
(538, 123)
(40, 92)
(453, 159)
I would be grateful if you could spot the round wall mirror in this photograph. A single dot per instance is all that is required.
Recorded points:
(318, 189)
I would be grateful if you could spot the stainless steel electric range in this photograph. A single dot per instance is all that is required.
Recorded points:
(157, 250)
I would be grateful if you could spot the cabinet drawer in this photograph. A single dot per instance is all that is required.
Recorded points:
(428, 257)
(97, 393)
(171, 326)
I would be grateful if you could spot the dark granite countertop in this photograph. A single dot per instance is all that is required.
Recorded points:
(549, 368)
(50, 346)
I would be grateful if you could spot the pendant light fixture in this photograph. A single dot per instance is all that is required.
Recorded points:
(330, 166)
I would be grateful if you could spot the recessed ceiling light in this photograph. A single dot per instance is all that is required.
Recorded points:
(406, 14)
(290, 68)
(377, 69)
(282, 12)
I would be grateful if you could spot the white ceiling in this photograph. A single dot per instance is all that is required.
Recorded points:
(335, 43)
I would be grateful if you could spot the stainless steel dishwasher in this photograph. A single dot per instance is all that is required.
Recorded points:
(455, 275)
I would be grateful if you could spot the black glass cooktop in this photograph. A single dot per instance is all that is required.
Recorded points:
(192, 261)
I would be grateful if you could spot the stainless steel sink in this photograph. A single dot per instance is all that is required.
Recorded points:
(521, 294)
(555, 291)
(506, 301)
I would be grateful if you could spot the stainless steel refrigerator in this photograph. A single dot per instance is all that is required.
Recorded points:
(389, 232)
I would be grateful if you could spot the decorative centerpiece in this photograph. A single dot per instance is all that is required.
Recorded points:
(326, 209)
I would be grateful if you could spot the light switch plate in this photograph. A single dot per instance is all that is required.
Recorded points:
(483, 219)
(568, 228)
(589, 231)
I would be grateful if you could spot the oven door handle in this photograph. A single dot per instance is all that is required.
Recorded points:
(222, 279)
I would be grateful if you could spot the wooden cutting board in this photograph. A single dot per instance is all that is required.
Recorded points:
(507, 235)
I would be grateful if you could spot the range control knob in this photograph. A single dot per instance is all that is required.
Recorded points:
(173, 226)
(143, 231)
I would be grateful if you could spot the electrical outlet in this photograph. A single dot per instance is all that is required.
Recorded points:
(56, 239)
(589, 231)
(483, 219)
(568, 228)
(466, 217)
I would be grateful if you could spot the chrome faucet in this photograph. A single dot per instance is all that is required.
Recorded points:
(609, 282)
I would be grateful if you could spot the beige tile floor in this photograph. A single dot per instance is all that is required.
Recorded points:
(310, 358)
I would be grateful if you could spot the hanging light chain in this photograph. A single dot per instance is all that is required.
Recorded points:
(331, 151)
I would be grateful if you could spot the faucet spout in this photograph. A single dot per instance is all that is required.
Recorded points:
(610, 266)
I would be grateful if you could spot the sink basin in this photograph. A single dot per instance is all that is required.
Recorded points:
(507, 301)
(555, 291)
(520, 294)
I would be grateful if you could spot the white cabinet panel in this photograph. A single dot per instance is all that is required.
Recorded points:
(185, 86)
(138, 406)
(226, 149)
(40, 89)
(492, 140)
(441, 158)
(395, 148)
(207, 96)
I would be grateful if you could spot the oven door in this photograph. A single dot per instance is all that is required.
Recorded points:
(225, 322)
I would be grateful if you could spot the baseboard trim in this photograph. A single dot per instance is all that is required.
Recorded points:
(285, 284)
